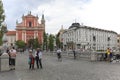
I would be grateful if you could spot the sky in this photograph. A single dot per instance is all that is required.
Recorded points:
(103, 14)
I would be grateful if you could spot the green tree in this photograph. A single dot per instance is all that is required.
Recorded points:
(36, 43)
(51, 42)
(1, 38)
(2, 18)
(30, 43)
(45, 41)
(2, 15)
(3, 30)
(58, 43)
(20, 44)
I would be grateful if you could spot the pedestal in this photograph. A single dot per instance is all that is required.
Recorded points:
(4, 62)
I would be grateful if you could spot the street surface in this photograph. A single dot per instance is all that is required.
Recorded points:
(68, 69)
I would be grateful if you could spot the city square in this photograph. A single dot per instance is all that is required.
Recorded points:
(59, 40)
(68, 69)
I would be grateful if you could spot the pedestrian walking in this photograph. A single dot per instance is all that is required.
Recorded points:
(108, 54)
(111, 56)
(38, 58)
(13, 53)
(8, 51)
(31, 60)
(59, 55)
(74, 53)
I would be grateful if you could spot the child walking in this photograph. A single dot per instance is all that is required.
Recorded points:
(31, 60)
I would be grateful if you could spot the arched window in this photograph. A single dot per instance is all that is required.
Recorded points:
(30, 24)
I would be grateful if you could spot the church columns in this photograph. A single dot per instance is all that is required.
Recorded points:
(16, 35)
(24, 36)
(35, 34)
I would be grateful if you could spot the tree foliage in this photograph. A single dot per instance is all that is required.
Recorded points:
(20, 44)
(45, 41)
(2, 18)
(51, 42)
(36, 43)
(2, 15)
(30, 43)
(58, 43)
(0, 38)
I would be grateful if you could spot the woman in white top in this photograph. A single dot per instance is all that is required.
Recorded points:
(38, 57)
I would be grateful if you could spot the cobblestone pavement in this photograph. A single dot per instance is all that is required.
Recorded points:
(68, 69)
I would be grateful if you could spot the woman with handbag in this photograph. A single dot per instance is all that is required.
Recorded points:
(31, 60)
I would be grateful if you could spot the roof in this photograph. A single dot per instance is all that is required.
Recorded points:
(77, 25)
(11, 33)
(29, 15)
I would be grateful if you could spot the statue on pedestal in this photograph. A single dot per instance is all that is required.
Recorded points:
(4, 38)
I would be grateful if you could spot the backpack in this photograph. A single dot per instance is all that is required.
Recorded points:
(29, 60)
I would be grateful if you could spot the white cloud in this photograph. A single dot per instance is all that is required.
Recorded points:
(59, 13)
(102, 14)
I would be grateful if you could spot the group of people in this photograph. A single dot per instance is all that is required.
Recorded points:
(37, 57)
(33, 57)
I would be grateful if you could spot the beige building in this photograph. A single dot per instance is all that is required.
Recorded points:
(11, 36)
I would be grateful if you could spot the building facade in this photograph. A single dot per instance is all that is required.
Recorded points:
(11, 37)
(118, 41)
(61, 31)
(30, 28)
(84, 37)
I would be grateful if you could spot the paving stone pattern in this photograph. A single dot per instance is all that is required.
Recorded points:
(68, 69)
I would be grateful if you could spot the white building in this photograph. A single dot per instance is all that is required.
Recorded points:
(79, 36)
(118, 41)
